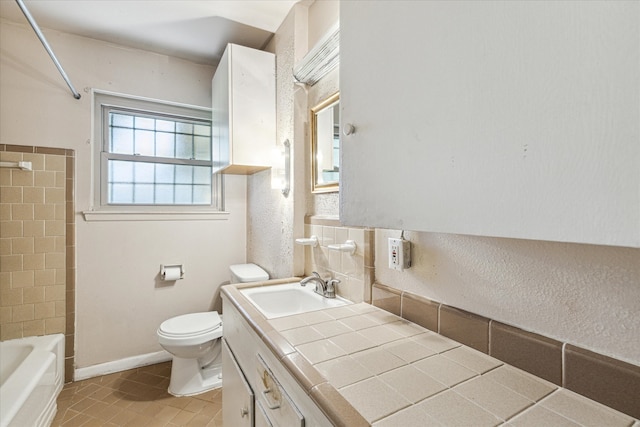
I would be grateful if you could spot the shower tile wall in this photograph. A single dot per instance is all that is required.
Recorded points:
(37, 245)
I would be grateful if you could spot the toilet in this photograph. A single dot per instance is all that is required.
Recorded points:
(194, 340)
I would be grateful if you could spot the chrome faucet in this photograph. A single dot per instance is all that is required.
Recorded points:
(325, 288)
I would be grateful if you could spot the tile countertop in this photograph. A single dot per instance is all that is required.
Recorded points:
(365, 366)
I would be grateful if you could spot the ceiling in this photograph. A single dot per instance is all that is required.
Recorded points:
(196, 30)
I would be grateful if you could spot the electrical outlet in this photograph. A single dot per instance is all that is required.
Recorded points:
(399, 254)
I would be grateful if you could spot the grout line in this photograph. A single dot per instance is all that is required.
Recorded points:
(489, 338)
(563, 372)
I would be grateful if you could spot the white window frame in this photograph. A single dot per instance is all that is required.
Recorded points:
(100, 209)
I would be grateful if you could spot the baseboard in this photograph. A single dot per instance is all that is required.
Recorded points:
(121, 365)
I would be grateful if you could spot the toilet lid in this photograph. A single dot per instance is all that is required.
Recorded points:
(191, 324)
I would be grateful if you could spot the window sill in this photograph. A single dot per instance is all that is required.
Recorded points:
(91, 216)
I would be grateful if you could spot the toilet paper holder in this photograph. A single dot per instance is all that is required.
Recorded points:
(172, 272)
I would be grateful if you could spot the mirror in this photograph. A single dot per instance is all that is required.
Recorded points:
(325, 145)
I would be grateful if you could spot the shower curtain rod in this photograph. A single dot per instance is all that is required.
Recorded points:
(43, 40)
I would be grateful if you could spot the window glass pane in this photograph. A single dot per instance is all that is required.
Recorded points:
(203, 130)
(120, 193)
(143, 193)
(121, 141)
(184, 146)
(144, 173)
(174, 179)
(184, 127)
(164, 194)
(183, 195)
(202, 175)
(120, 171)
(121, 120)
(184, 174)
(165, 173)
(165, 144)
(165, 126)
(202, 147)
(144, 143)
(202, 194)
(145, 123)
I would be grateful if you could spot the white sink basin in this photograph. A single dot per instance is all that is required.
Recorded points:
(289, 298)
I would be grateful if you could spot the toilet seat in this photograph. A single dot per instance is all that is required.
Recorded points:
(192, 328)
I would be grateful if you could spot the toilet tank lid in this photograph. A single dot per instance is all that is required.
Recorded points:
(249, 272)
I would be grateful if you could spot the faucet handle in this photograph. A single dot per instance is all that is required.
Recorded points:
(331, 288)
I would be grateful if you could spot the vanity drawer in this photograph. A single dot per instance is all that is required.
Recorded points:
(278, 406)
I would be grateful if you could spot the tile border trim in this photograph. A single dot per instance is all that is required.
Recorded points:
(564, 363)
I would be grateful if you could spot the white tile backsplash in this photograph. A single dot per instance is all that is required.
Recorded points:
(354, 273)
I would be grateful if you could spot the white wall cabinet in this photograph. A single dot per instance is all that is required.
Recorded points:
(244, 111)
(510, 119)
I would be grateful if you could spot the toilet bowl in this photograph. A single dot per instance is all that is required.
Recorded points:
(194, 340)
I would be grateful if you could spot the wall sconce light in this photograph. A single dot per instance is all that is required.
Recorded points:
(281, 170)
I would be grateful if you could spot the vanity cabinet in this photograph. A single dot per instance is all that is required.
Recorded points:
(507, 119)
(238, 402)
(244, 111)
(256, 380)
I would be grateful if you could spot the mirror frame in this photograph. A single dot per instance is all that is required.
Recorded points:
(313, 124)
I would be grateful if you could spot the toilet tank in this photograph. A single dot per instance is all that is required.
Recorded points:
(245, 273)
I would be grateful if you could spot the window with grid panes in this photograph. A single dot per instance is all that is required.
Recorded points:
(150, 157)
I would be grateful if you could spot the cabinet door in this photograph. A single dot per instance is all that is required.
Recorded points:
(237, 396)
(244, 110)
(510, 119)
(261, 416)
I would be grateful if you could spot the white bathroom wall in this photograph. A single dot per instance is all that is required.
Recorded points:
(322, 16)
(274, 220)
(119, 300)
(586, 295)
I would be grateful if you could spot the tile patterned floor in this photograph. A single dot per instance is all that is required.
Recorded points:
(136, 398)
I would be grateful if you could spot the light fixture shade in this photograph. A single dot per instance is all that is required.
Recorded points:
(324, 57)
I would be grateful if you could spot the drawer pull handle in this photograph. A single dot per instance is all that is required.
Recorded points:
(244, 412)
(269, 405)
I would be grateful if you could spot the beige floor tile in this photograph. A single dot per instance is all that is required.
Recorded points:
(183, 417)
(135, 398)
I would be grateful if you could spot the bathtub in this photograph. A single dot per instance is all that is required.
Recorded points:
(31, 377)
